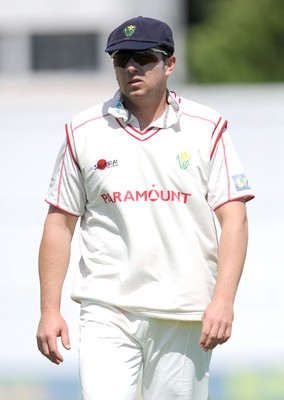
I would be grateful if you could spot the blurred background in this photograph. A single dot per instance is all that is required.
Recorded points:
(53, 65)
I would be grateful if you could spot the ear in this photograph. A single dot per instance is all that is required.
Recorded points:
(170, 64)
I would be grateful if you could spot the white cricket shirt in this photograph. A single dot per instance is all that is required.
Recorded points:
(148, 239)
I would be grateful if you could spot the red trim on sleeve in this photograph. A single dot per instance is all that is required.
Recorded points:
(227, 169)
(61, 209)
(61, 175)
(247, 197)
(90, 120)
(218, 131)
(70, 147)
(199, 117)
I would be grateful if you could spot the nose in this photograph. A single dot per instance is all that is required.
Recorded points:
(131, 65)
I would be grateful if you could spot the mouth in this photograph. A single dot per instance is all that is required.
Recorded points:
(135, 82)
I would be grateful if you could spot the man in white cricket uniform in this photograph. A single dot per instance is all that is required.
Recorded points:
(144, 172)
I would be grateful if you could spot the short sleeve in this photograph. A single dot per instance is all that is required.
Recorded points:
(227, 181)
(66, 190)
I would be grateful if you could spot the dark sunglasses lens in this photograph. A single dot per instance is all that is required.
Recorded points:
(121, 59)
(145, 58)
(141, 58)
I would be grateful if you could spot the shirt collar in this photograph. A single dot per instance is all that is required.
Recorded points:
(169, 118)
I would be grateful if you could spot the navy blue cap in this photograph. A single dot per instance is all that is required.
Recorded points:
(141, 33)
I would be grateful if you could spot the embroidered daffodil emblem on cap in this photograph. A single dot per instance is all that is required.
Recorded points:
(129, 30)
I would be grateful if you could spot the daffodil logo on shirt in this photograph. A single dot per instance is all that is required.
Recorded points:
(183, 160)
(129, 30)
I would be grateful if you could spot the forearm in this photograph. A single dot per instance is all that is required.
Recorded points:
(231, 258)
(218, 317)
(54, 256)
(53, 264)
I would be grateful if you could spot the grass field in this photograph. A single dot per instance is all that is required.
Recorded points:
(240, 384)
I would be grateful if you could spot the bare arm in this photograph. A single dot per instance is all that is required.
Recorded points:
(54, 255)
(218, 317)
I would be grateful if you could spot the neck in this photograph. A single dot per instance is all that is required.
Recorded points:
(145, 110)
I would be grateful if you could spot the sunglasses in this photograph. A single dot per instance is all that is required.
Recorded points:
(121, 57)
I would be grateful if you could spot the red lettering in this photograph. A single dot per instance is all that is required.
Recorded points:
(116, 196)
(141, 195)
(186, 195)
(128, 196)
(165, 198)
(104, 197)
(175, 195)
(110, 198)
(152, 195)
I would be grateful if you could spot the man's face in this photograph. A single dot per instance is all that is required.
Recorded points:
(141, 73)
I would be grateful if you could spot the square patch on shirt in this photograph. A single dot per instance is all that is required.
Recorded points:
(241, 182)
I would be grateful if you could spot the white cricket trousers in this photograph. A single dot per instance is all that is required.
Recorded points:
(116, 345)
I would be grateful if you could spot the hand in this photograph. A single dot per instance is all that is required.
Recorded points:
(216, 325)
(52, 326)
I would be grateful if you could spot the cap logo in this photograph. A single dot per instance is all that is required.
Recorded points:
(129, 30)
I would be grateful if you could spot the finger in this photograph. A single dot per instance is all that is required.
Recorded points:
(210, 343)
(204, 335)
(209, 338)
(207, 342)
(203, 339)
(65, 339)
(208, 333)
(49, 349)
(42, 346)
(39, 345)
(219, 334)
(226, 336)
(53, 353)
